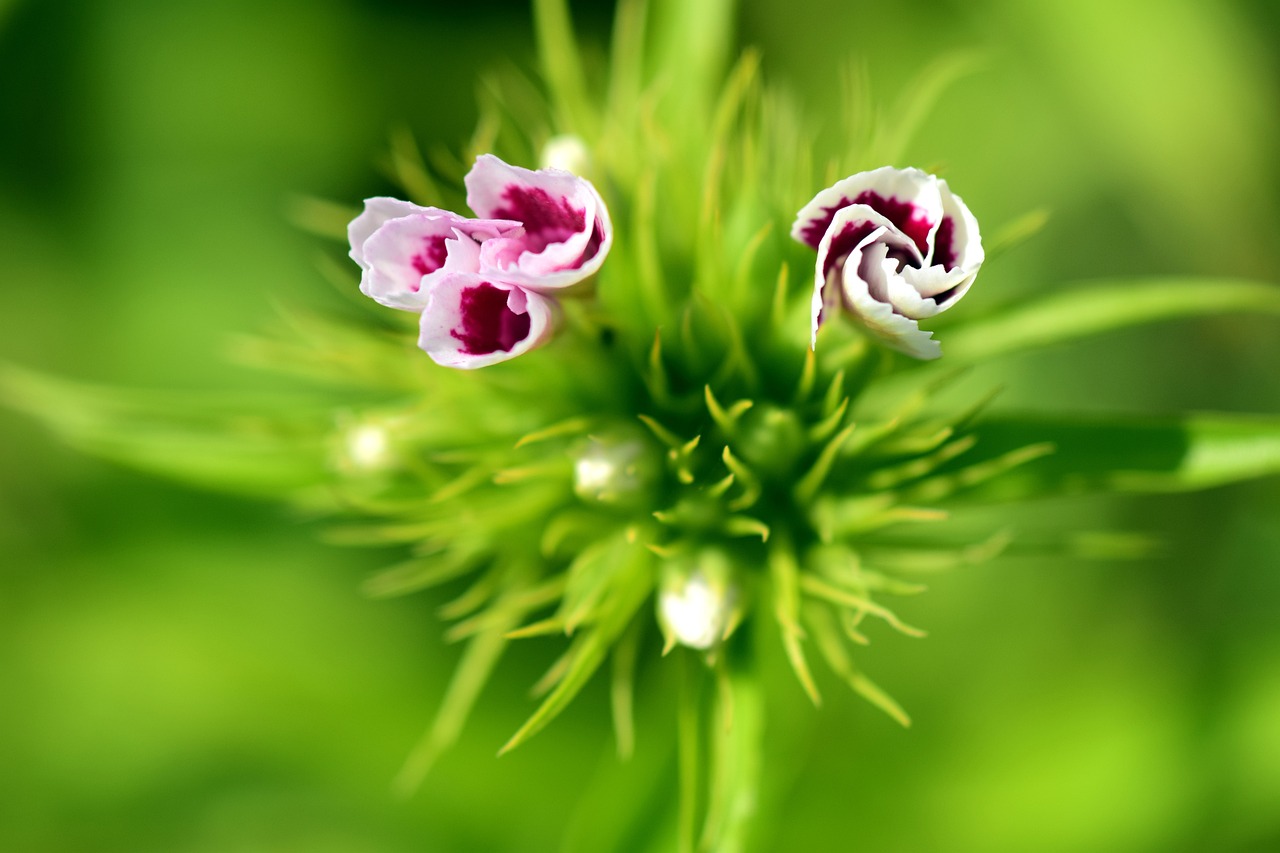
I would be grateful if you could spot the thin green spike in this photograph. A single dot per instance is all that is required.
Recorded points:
(519, 603)
(553, 676)
(742, 280)
(421, 573)
(741, 525)
(663, 434)
(656, 378)
(469, 677)
(717, 489)
(822, 430)
(726, 419)
(408, 169)
(572, 426)
(808, 374)
(784, 574)
(835, 393)
(943, 486)
(541, 628)
(633, 583)
(460, 485)
(817, 587)
(751, 486)
(474, 597)
(891, 477)
(827, 637)
(1016, 232)
(807, 489)
(553, 468)
(778, 311)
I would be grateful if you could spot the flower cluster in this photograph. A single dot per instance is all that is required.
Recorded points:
(485, 287)
(895, 246)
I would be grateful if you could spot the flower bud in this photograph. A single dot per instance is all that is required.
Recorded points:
(697, 599)
(567, 152)
(618, 467)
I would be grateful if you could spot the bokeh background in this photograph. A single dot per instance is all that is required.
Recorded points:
(191, 672)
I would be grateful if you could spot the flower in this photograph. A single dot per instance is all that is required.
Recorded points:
(481, 285)
(895, 246)
(474, 320)
(565, 232)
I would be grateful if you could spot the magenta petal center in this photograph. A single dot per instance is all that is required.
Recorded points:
(488, 325)
(907, 217)
(432, 256)
(944, 249)
(546, 219)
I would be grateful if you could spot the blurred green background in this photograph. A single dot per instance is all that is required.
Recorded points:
(186, 672)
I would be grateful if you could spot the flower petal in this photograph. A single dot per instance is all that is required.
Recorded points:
(908, 198)
(406, 255)
(376, 212)
(474, 320)
(957, 242)
(879, 317)
(565, 232)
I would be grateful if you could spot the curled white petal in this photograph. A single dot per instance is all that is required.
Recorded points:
(878, 317)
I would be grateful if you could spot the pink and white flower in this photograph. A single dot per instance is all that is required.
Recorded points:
(474, 320)
(895, 246)
(482, 286)
(565, 232)
(402, 248)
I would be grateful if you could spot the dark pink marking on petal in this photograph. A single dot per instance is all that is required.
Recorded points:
(488, 325)
(546, 219)
(432, 256)
(944, 250)
(814, 231)
(906, 217)
(845, 242)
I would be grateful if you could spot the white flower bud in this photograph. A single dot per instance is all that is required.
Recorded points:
(695, 607)
(567, 152)
(615, 469)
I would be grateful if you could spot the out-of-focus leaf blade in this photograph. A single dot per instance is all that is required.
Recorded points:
(1130, 454)
(202, 442)
(1070, 313)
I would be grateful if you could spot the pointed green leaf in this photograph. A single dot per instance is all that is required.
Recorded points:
(1069, 313)
(1179, 453)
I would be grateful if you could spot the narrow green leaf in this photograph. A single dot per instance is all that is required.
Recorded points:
(562, 65)
(784, 575)
(826, 635)
(631, 586)
(1069, 313)
(1119, 453)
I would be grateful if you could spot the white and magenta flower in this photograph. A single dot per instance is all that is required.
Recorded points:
(895, 246)
(474, 320)
(482, 285)
(565, 232)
